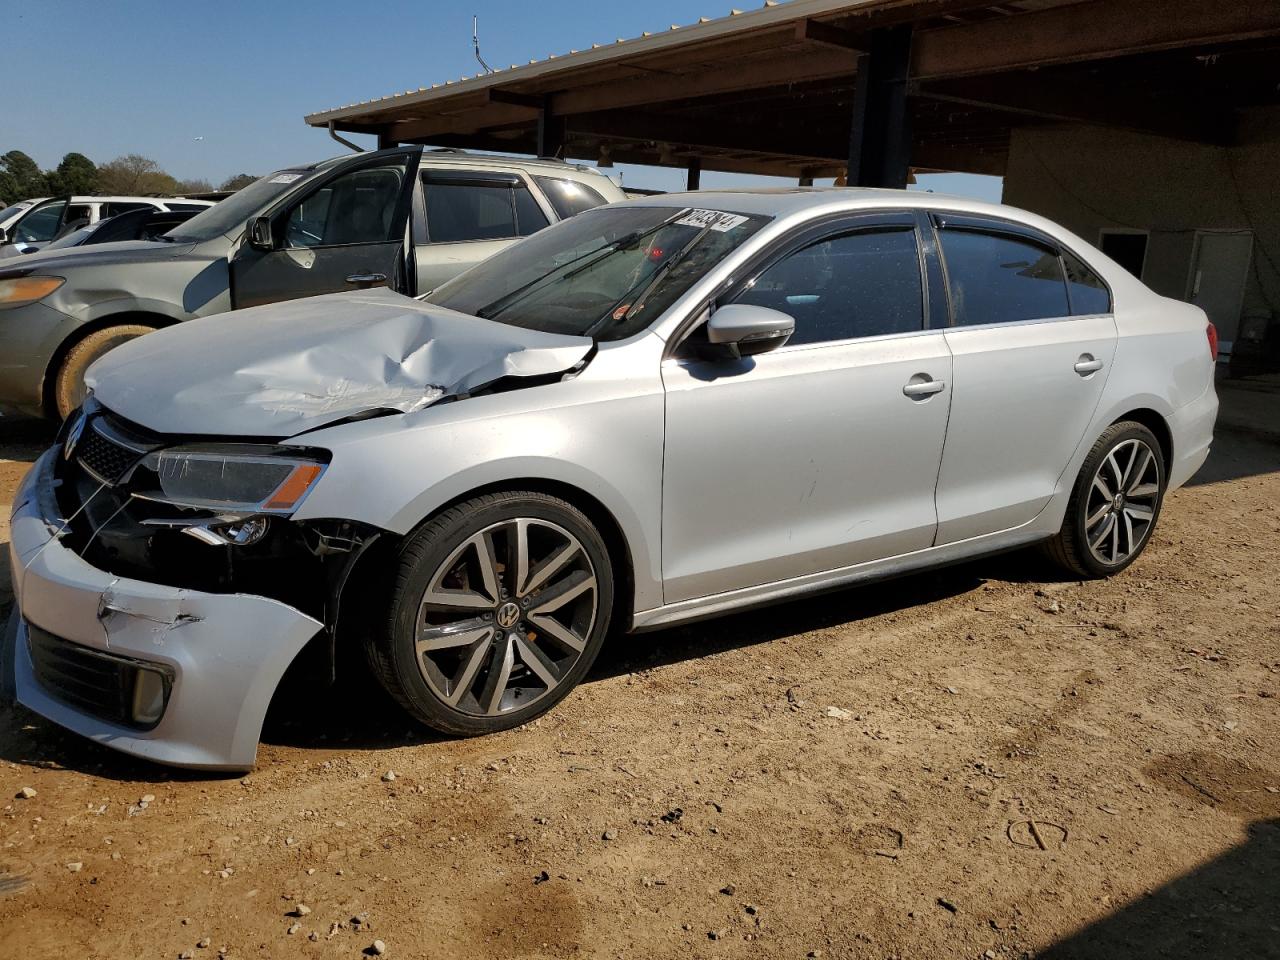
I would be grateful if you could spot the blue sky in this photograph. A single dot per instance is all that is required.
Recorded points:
(107, 77)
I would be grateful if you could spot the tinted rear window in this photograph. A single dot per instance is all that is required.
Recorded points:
(995, 278)
(568, 197)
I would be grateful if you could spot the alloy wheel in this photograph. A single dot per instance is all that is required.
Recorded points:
(1122, 501)
(506, 616)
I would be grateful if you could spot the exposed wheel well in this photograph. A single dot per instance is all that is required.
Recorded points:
(156, 320)
(1157, 425)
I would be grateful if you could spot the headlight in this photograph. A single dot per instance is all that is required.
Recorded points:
(27, 289)
(235, 479)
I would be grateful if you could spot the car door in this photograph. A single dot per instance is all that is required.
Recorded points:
(820, 454)
(346, 231)
(1029, 371)
(466, 216)
(36, 227)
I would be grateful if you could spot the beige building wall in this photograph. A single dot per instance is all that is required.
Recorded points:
(1090, 178)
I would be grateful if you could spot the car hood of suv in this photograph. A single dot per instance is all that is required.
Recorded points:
(282, 369)
(95, 254)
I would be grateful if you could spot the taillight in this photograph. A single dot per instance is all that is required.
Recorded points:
(1212, 333)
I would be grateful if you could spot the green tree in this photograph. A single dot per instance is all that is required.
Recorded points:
(134, 175)
(238, 182)
(22, 177)
(76, 174)
(189, 187)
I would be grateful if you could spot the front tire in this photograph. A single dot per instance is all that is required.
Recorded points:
(1114, 504)
(68, 385)
(500, 605)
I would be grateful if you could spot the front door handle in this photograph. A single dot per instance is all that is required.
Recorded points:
(917, 389)
(367, 279)
(1087, 364)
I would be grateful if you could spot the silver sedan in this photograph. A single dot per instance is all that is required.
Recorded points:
(657, 411)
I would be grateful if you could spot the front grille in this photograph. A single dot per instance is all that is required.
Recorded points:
(105, 458)
(99, 683)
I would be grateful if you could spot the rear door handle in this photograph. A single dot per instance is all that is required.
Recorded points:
(1087, 365)
(927, 388)
(367, 279)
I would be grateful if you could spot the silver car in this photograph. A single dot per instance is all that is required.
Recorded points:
(657, 411)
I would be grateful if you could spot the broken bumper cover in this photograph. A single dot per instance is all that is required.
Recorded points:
(222, 654)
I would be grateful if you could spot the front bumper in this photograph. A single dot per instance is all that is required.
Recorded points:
(29, 337)
(225, 653)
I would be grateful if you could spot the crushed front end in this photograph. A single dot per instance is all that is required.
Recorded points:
(164, 590)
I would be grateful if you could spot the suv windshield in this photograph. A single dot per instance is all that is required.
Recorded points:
(230, 215)
(607, 273)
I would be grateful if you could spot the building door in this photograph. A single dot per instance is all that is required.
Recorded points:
(1219, 270)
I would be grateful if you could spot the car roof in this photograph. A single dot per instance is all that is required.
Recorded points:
(801, 202)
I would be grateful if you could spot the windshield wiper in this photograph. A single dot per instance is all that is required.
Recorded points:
(651, 285)
(490, 310)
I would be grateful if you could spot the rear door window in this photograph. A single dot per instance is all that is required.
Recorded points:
(474, 205)
(568, 197)
(860, 284)
(998, 278)
(124, 206)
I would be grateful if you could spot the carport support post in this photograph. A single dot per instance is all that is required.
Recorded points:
(695, 173)
(550, 131)
(880, 135)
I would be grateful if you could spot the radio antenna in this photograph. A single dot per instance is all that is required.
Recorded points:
(475, 43)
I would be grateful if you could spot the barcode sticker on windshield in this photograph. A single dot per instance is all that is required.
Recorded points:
(720, 222)
(285, 178)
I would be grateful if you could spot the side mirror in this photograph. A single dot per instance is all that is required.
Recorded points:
(4, 236)
(259, 233)
(743, 330)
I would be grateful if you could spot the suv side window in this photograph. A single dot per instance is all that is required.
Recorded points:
(568, 197)
(997, 278)
(467, 205)
(357, 207)
(860, 284)
(123, 206)
(1088, 292)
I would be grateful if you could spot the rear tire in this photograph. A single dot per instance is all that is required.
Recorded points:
(68, 386)
(499, 607)
(1114, 504)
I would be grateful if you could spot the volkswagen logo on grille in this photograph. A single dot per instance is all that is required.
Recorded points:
(74, 431)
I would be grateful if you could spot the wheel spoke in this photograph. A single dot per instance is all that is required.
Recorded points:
(1115, 541)
(1142, 456)
(1098, 515)
(1144, 490)
(495, 685)
(537, 662)
(549, 567)
(518, 553)
(1116, 472)
(465, 677)
(449, 635)
(1139, 512)
(1100, 485)
(457, 599)
(558, 632)
(488, 562)
(1103, 531)
(555, 597)
(1128, 534)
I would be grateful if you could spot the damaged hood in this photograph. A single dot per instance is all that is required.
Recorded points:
(281, 369)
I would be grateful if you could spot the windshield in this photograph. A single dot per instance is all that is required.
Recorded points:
(230, 215)
(75, 237)
(607, 273)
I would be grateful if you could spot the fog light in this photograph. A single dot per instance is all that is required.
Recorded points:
(149, 695)
(237, 533)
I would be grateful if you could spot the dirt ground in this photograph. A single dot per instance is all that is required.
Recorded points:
(1015, 766)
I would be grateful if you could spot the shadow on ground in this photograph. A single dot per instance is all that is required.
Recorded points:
(1229, 907)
